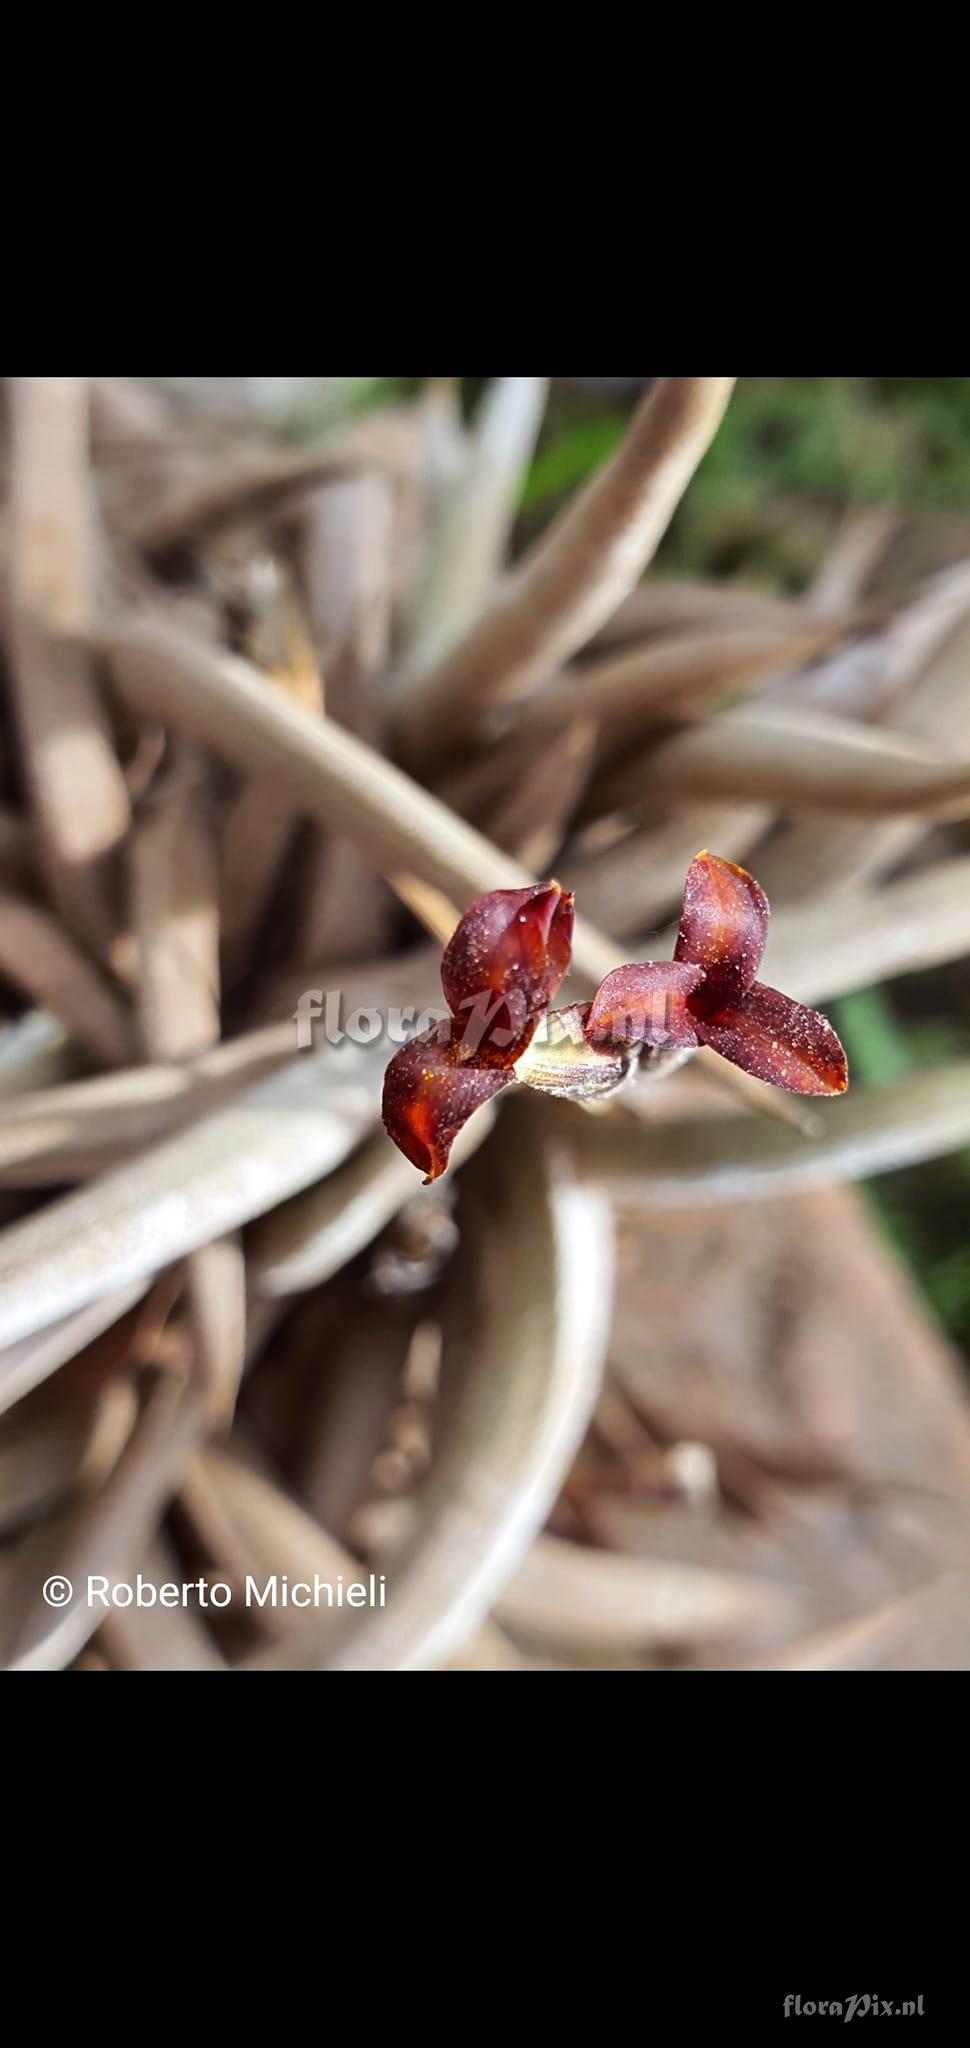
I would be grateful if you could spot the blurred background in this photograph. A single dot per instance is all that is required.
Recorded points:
(293, 669)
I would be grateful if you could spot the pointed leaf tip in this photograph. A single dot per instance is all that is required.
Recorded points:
(723, 927)
(778, 1040)
(429, 1093)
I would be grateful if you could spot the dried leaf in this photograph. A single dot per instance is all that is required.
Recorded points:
(77, 789)
(669, 678)
(468, 547)
(802, 761)
(530, 1389)
(873, 1130)
(676, 604)
(37, 954)
(564, 1594)
(583, 567)
(233, 1164)
(639, 878)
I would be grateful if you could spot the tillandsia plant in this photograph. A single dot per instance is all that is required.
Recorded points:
(506, 960)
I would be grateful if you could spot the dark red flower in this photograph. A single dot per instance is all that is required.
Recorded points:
(500, 969)
(504, 964)
(723, 928)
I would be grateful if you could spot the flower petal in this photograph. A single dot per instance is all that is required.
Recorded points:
(778, 1040)
(645, 1004)
(723, 927)
(561, 1060)
(429, 1093)
(506, 959)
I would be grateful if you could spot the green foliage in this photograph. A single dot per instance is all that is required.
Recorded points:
(875, 1044)
(570, 457)
(921, 1212)
(807, 446)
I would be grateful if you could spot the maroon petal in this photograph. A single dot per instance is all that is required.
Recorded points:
(429, 1093)
(723, 927)
(778, 1040)
(645, 1004)
(506, 959)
